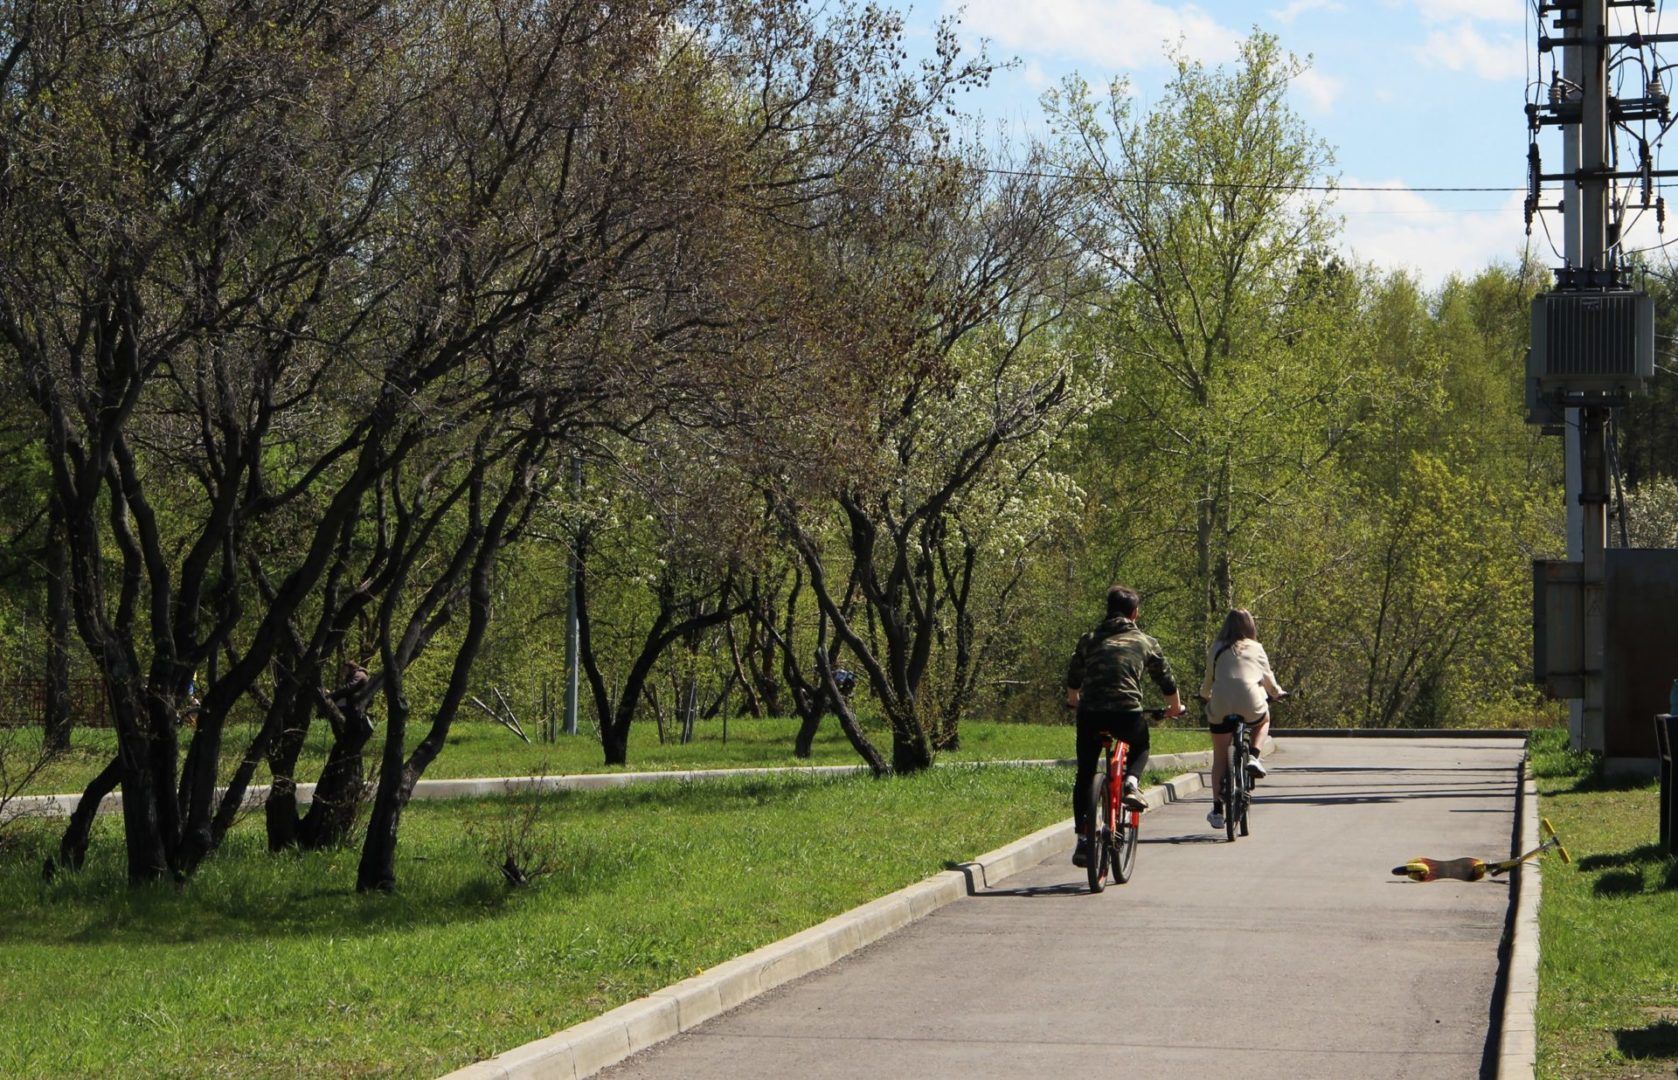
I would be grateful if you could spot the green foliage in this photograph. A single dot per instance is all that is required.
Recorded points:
(1608, 995)
(1551, 756)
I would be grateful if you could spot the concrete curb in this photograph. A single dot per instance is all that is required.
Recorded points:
(485, 787)
(1517, 1040)
(584, 1049)
(481, 787)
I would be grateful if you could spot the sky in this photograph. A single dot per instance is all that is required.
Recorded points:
(1411, 94)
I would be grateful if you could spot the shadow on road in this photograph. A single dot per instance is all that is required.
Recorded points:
(1185, 838)
(1068, 889)
(1316, 799)
(1385, 769)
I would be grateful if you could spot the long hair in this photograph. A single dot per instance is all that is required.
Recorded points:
(1238, 626)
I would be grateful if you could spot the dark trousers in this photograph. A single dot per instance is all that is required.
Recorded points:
(1130, 727)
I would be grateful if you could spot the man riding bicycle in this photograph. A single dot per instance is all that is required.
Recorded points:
(1104, 683)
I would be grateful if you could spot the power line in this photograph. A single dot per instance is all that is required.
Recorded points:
(1193, 182)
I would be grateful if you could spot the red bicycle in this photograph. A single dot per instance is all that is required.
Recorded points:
(1112, 827)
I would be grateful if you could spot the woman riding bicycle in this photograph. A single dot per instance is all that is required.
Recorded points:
(1238, 682)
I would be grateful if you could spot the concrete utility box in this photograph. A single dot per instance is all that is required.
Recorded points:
(1640, 659)
(1642, 647)
(1558, 628)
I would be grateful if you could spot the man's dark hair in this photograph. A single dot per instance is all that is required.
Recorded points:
(1122, 601)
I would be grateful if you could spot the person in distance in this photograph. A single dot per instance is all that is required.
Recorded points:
(1238, 682)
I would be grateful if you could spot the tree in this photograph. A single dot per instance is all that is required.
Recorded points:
(965, 269)
(1230, 375)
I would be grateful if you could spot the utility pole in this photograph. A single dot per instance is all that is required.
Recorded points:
(1593, 431)
(1572, 63)
(1592, 339)
(572, 630)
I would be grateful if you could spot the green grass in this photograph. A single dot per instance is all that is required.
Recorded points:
(482, 748)
(273, 966)
(1608, 968)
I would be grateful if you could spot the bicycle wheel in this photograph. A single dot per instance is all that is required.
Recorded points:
(1099, 829)
(1246, 785)
(1124, 844)
(1233, 785)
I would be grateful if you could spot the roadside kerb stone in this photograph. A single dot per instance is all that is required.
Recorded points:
(584, 1049)
(1517, 1044)
(485, 787)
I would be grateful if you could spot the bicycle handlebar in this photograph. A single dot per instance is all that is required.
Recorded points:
(1156, 713)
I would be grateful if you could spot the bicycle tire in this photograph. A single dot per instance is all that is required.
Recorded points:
(1246, 784)
(1232, 781)
(1099, 831)
(1124, 845)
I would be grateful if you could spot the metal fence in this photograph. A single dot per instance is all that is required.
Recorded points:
(23, 703)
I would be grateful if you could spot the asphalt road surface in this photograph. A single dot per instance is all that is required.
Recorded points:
(1292, 952)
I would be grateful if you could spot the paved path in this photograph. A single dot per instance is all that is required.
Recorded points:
(1291, 953)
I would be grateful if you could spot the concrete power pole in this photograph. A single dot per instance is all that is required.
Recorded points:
(1572, 200)
(572, 630)
(1594, 254)
(1592, 344)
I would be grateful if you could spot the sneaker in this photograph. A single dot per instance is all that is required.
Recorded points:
(1215, 818)
(1081, 853)
(1132, 797)
(1256, 769)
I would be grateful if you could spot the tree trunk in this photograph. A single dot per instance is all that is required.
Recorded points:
(910, 751)
(810, 722)
(72, 847)
(57, 720)
(690, 706)
(148, 858)
(614, 729)
(280, 811)
(377, 870)
(859, 741)
(146, 762)
(339, 790)
(338, 793)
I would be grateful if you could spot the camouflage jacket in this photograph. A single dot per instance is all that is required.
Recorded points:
(1108, 664)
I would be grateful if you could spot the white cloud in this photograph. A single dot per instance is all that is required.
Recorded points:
(1299, 7)
(1463, 48)
(1402, 229)
(1438, 11)
(1320, 91)
(1102, 33)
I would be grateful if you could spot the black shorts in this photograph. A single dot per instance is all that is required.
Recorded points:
(1228, 724)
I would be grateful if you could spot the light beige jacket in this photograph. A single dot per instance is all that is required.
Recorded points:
(1238, 681)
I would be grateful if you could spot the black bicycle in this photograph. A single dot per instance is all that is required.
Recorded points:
(1236, 791)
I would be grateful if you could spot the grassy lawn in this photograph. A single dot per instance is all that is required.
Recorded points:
(1608, 969)
(483, 748)
(273, 966)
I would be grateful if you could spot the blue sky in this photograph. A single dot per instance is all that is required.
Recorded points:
(1412, 94)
